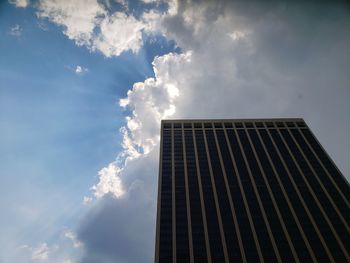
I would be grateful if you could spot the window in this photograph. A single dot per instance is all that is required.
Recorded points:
(290, 124)
(198, 125)
(280, 124)
(228, 125)
(239, 125)
(301, 124)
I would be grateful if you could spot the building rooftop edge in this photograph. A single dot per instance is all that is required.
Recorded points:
(232, 120)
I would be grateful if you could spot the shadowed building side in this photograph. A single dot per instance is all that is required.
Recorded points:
(249, 190)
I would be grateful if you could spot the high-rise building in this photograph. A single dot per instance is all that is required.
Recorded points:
(258, 190)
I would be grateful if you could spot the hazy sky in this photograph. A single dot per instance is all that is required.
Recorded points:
(85, 83)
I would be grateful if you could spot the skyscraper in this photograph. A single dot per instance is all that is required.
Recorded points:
(258, 190)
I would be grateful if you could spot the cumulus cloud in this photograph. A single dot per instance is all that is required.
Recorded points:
(109, 182)
(19, 3)
(78, 18)
(153, 100)
(118, 32)
(89, 23)
(149, 101)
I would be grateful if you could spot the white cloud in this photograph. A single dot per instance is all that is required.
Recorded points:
(150, 101)
(48, 253)
(41, 252)
(109, 182)
(72, 236)
(152, 21)
(80, 70)
(153, 100)
(150, 1)
(118, 33)
(16, 30)
(19, 3)
(79, 18)
(88, 23)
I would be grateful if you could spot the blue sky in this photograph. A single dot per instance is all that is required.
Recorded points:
(72, 74)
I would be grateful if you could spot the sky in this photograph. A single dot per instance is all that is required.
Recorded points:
(85, 83)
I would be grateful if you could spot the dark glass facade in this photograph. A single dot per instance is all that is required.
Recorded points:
(261, 190)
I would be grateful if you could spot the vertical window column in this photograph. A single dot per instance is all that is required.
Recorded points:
(286, 214)
(188, 205)
(196, 204)
(281, 236)
(165, 243)
(242, 213)
(293, 210)
(219, 136)
(182, 240)
(228, 224)
(216, 246)
(266, 240)
(256, 222)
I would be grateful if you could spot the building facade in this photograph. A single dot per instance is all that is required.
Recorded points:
(257, 190)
